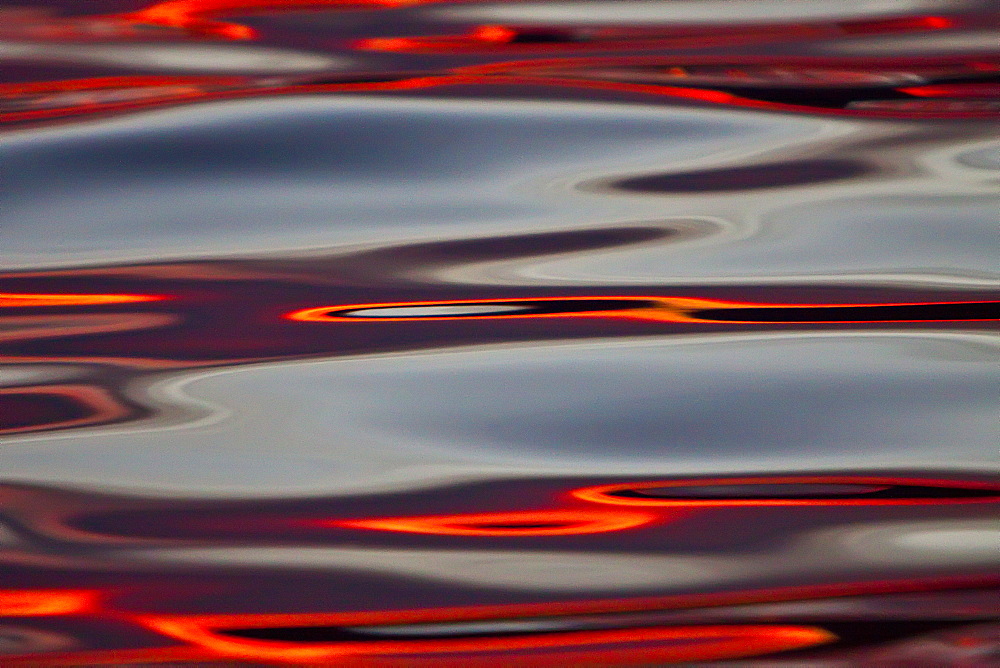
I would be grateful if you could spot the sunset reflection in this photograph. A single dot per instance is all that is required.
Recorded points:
(522, 523)
(45, 602)
(487, 333)
(13, 300)
(792, 491)
(668, 645)
(667, 309)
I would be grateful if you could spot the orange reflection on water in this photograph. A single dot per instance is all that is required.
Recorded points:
(519, 523)
(941, 492)
(45, 602)
(666, 309)
(15, 300)
(197, 16)
(389, 638)
(662, 644)
(490, 37)
(487, 38)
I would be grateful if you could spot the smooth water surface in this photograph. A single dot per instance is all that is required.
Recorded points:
(529, 333)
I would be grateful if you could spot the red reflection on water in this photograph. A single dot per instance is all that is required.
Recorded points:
(501, 38)
(19, 300)
(842, 86)
(507, 38)
(41, 100)
(196, 16)
(902, 492)
(46, 602)
(519, 523)
(989, 90)
(197, 314)
(382, 637)
(668, 309)
(663, 644)
(50, 99)
(866, 88)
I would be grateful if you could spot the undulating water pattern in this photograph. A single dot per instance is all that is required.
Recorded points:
(479, 333)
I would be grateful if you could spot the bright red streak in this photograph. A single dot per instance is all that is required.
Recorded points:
(904, 24)
(520, 523)
(954, 90)
(486, 38)
(196, 15)
(321, 314)
(676, 644)
(719, 97)
(14, 300)
(606, 493)
(46, 602)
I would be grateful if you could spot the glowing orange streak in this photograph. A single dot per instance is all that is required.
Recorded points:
(718, 642)
(194, 15)
(320, 314)
(533, 523)
(185, 10)
(667, 309)
(488, 37)
(604, 493)
(701, 94)
(693, 305)
(102, 406)
(13, 300)
(46, 602)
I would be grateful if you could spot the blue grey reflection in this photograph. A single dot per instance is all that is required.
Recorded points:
(910, 238)
(645, 407)
(279, 174)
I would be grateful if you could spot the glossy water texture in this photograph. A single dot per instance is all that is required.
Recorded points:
(511, 333)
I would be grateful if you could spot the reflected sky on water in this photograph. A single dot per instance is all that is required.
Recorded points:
(356, 332)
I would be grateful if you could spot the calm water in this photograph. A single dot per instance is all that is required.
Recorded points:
(457, 333)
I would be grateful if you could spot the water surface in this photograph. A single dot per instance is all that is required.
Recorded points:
(362, 332)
